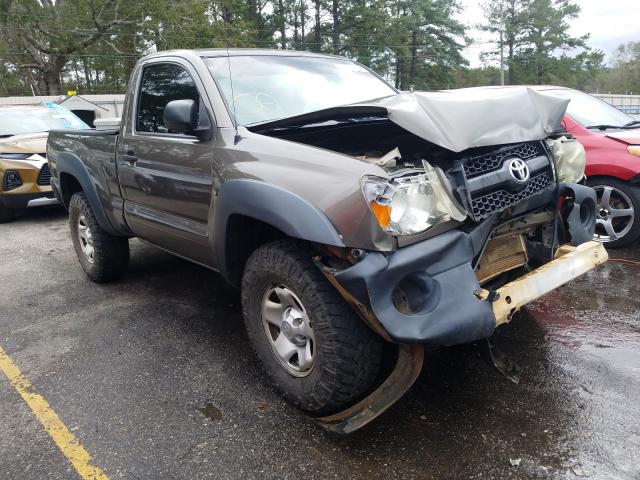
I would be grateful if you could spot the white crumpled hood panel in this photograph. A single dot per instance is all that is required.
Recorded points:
(476, 117)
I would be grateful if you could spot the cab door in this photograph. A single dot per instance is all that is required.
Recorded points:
(166, 177)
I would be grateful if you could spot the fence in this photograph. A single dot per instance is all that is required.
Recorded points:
(627, 103)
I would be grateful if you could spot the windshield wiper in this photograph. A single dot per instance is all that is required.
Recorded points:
(602, 127)
(632, 123)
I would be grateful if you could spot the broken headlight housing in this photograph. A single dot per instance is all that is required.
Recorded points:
(410, 203)
(569, 157)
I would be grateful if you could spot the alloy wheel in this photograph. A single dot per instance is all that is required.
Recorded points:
(615, 213)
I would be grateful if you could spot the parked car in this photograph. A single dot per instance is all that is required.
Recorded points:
(24, 172)
(611, 139)
(349, 214)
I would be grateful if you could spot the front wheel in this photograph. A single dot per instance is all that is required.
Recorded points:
(310, 342)
(103, 257)
(617, 211)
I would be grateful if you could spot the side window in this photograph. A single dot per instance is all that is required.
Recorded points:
(160, 85)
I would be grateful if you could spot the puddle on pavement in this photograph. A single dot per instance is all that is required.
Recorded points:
(211, 411)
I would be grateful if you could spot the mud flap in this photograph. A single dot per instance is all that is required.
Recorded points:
(408, 367)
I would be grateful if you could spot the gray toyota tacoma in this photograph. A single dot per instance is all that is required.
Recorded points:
(350, 215)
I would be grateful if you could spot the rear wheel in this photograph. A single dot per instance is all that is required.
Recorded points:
(6, 214)
(309, 341)
(617, 211)
(103, 257)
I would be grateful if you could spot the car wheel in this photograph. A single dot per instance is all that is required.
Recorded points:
(6, 214)
(103, 257)
(617, 210)
(310, 342)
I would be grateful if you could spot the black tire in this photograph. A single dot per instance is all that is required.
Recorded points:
(347, 354)
(110, 254)
(632, 193)
(6, 214)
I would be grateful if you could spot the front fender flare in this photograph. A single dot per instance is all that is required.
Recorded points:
(291, 214)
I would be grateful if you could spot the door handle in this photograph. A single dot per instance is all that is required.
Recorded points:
(129, 157)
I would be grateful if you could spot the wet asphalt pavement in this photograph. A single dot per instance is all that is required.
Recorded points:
(154, 376)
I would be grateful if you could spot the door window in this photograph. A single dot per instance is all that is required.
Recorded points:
(160, 85)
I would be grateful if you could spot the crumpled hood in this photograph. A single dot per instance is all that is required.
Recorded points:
(472, 117)
(454, 119)
(632, 137)
(25, 143)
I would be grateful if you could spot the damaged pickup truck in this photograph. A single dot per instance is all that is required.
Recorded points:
(348, 213)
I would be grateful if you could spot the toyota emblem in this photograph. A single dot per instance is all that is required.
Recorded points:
(519, 170)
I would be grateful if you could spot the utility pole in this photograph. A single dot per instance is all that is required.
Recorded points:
(501, 46)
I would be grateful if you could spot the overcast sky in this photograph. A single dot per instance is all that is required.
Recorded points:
(610, 23)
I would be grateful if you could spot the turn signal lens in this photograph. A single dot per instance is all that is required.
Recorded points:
(634, 150)
(412, 203)
(382, 213)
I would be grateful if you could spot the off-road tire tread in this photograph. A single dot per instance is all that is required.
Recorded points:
(352, 351)
(111, 256)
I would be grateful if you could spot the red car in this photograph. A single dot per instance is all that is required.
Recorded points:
(611, 139)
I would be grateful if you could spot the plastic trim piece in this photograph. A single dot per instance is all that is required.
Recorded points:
(441, 268)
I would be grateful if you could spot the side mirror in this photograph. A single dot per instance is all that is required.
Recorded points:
(181, 116)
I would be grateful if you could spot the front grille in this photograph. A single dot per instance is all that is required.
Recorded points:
(44, 177)
(485, 205)
(489, 162)
(499, 194)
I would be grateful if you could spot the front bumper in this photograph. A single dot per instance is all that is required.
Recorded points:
(455, 309)
(446, 304)
(28, 200)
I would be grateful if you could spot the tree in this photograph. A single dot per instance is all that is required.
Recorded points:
(539, 47)
(49, 32)
(624, 74)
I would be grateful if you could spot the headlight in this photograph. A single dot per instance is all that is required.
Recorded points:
(412, 203)
(570, 159)
(634, 150)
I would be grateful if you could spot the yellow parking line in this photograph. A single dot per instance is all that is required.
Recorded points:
(64, 439)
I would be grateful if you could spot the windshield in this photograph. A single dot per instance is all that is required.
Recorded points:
(18, 121)
(590, 111)
(270, 87)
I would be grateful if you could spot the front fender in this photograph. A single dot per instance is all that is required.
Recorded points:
(291, 214)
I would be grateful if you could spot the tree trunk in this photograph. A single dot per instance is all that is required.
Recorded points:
(282, 24)
(318, 39)
(335, 31)
(414, 56)
(52, 78)
(398, 69)
(303, 20)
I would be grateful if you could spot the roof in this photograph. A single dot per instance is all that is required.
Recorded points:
(78, 101)
(236, 52)
(537, 88)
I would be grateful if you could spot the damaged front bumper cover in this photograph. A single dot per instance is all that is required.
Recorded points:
(447, 306)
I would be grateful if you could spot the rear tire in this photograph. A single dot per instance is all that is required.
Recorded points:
(6, 214)
(103, 257)
(619, 214)
(326, 358)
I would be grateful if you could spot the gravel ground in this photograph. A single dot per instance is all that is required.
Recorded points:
(154, 376)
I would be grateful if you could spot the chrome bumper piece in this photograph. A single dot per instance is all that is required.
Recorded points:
(41, 202)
